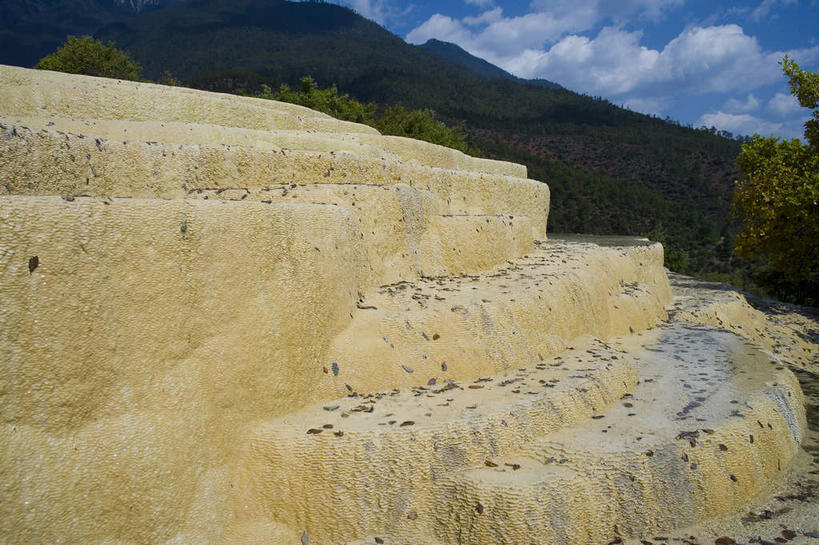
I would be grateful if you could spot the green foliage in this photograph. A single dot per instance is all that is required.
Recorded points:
(777, 197)
(394, 120)
(587, 201)
(675, 259)
(805, 87)
(91, 57)
(422, 125)
(169, 79)
(327, 100)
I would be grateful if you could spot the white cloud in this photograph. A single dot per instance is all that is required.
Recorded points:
(615, 9)
(739, 123)
(487, 17)
(715, 59)
(480, 3)
(719, 59)
(443, 28)
(735, 106)
(613, 63)
(652, 106)
(499, 36)
(764, 9)
(746, 124)
(785, 105)
(377, 10)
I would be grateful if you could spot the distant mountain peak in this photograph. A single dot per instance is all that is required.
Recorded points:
(455, 53)
(458, 55)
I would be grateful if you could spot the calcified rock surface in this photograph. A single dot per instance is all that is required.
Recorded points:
(233, 320)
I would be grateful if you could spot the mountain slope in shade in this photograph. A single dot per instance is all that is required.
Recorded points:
(138, 6)
(31, 29)
(456, 54)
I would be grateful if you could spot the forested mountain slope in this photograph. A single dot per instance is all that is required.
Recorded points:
(31, 29)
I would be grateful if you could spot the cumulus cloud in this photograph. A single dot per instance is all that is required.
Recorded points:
(613, 63)
(781, 115)
(377, 10)
(651, 106)
(745, 124)
(764, 9)
(782, 105)
(499, 36)
(646, 9)
(714, 59)
(734, 105)
(487, 17)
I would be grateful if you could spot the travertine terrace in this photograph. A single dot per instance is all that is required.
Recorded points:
(233, 320)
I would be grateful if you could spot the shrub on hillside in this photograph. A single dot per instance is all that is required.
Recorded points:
(394, 120)
(420, 124)
(85, 55)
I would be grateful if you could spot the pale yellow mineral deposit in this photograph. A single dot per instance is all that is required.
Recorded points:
(228, 319)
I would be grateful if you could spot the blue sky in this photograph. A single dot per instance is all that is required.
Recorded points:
(698, 61)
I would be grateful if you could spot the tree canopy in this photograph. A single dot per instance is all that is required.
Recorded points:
(777, 197)
(394, 120)
(329, 101)
(85, 55)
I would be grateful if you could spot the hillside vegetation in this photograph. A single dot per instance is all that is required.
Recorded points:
(392, 120)
(31, 29)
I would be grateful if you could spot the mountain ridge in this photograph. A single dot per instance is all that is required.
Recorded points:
(31, 29)
(455, 53)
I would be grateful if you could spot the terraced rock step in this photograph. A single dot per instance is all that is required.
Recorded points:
(720, 305)
(358, 142)
(482, 324)
(48, 162)
(712, 422)
(402, 446)
(36, 93)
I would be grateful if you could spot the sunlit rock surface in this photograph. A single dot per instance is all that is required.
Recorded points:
(233, 320)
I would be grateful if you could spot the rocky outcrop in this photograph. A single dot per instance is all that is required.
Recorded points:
(233, 320)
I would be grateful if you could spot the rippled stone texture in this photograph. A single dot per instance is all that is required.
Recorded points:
(233, 320)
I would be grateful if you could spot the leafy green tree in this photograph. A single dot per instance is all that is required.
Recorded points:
(84, 55)
(394, 120)
(805, 87)
(422, 125)
(674, 258)
(324, 100)
(777, 196)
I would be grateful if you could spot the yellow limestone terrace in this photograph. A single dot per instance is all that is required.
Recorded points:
(233, 320)
(87, 105)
